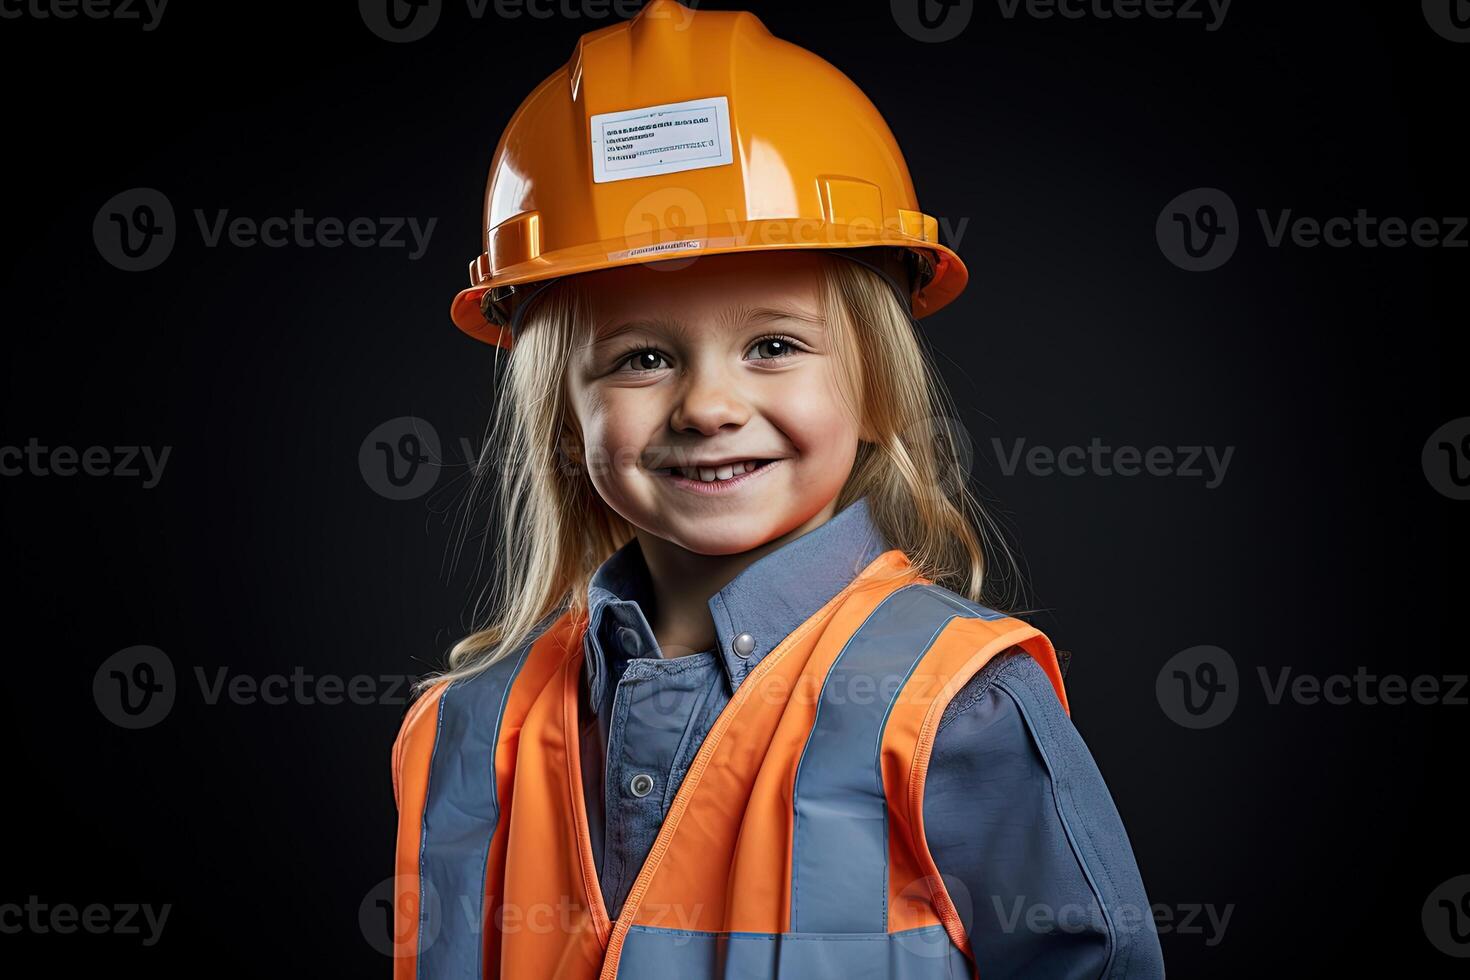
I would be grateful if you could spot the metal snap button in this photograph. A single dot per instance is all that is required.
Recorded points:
(743, 645)
(641, 784)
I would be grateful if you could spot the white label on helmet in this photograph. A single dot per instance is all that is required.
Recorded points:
(661, 139)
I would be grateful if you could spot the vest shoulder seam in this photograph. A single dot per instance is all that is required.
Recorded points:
(978, 686)
(1047, 744)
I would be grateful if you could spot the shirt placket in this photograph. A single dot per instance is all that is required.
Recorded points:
(654, 704)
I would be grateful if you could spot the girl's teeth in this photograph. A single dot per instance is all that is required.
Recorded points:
(709, 474)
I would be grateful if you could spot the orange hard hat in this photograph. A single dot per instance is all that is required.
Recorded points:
(682, 133)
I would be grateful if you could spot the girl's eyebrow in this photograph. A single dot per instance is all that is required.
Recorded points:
(731, 319)
(763, 313)
(654, 324)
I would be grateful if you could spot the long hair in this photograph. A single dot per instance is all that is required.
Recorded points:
(554, 530)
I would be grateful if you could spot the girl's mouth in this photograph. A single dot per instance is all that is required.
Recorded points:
(718, 480)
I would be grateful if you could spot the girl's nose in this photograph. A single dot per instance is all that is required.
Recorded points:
(709, 402)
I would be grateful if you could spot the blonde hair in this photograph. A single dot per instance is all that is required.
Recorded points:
(554, 529)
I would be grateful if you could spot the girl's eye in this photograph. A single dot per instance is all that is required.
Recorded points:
(644, 359)
(778, 346)
(648, 358)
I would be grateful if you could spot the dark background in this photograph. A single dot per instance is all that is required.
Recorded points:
(265, 549)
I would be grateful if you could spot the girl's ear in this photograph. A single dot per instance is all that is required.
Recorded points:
(569, 446)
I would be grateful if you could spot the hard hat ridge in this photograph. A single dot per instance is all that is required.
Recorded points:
(683, 133)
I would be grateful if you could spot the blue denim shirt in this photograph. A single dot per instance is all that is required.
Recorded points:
(1016, 814)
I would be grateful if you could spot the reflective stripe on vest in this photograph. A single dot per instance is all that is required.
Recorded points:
(794, 846)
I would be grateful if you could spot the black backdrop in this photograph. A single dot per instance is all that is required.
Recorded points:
(1052, 147)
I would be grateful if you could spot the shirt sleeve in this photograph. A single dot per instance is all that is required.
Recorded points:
(1027, 839)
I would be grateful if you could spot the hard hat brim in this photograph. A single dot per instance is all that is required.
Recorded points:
(950, 274)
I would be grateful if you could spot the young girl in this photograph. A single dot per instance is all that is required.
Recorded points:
(738, 710)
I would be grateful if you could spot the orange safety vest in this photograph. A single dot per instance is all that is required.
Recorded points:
(795, 844)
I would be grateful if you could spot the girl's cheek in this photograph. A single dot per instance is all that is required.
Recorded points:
(813, 415)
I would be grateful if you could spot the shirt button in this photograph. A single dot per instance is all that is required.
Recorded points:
(641, 784)
(743, 645)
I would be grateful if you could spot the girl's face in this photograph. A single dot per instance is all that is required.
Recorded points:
(702, 370)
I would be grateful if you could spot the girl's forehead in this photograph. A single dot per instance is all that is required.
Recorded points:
(707, 285)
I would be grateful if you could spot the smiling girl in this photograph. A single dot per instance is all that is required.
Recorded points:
(738, 709)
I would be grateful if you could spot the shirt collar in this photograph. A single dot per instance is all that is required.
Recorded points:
(768, 600)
